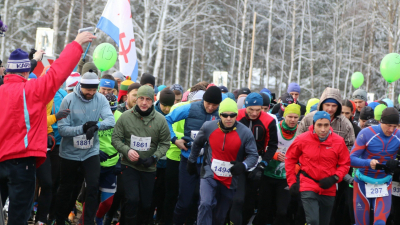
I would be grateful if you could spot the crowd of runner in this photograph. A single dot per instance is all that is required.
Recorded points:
(119, 151)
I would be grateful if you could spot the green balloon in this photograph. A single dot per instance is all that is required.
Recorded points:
(390, 67)
(105, 56)
(357, 79)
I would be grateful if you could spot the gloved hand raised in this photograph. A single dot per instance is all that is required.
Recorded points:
(88, 125)
(90, 132)
(237, 168)
(62, 114)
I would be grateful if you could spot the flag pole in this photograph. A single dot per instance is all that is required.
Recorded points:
(90, 43)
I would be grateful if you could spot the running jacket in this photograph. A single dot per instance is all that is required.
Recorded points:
(23, 108)
(194, 115)
(372, 143)
(235, 145)
(318, 159)
(264, 132)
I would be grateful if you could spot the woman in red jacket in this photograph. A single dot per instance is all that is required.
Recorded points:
(324, 160)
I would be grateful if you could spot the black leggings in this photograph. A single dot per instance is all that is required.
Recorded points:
(171, 189)
(118, 202)
(70, 177)
(55, 177)
(235, 215)
(273, 202)
(43, 174)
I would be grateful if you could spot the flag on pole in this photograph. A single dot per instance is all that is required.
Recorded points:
(116, 22)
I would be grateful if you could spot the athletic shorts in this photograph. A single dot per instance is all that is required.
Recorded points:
(108, 180)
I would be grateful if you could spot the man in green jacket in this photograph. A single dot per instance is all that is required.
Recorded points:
(142, 136)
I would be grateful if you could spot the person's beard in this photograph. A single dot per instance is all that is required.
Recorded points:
(88, 96)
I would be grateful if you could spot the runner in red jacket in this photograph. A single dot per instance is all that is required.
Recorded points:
(23, 142)
(324, 160)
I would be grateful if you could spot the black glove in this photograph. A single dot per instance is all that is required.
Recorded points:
(139, 162)
(294, 189)
(62, 114)
(237, 168)
(256, 173)
(191, 168)
(392, 164)
(31, 53)
(103, 156)
(327, 182)
(90, 132)
(149, 161)
(50, 141)
(88, 125)
(117, 168)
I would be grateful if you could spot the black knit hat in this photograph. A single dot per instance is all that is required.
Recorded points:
(266, 99)
(147, 79)
(390, 116)
(213, 95)
(244, 91)
(287, 99)
(366, 113)
(133, 87)
(167, 97)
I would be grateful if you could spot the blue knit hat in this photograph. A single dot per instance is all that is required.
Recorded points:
(253, 99)
(176, 87)
(293, 87)
(223, 88)
(32, 76)
(265, 90)
(230, 95)
(18, 62)
(321, 115)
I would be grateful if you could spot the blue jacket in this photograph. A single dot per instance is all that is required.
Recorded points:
(60, 95)
(195, 116)
(82, 111)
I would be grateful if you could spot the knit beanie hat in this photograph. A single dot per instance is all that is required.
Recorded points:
(228, 105)
(253, 99)
(124, 88)
(18, 62)
(177, 87)
(244, 91)
(266, 99)
(146, 91)
(210, 85)
(161, 87)
(389, 102)
(147, 79)
(133, 87)
(310, 103)
(390, 116)
(230, 95)
(366, 113)
(287, 99)
(167, 97)
(293, 87)
(360, 94)
(119, 75)
(331, 100)
(90, 80)
(223, 88)
(378, 111)
(213, 95)
(321, 115)
(265, 90)
(292, 108)
(72, 80)
(373, 105)
(89, 67)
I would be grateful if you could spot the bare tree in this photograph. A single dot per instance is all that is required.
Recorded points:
(71, 9)
(293, 42)
(160, 44)
(242, 43)
(55, 24)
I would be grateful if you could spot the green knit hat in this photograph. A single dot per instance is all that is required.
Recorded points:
(292, 108)
(125, 84)
(228, 105)
(146, 91)
(378, 111)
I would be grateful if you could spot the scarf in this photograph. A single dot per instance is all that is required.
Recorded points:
(226, 130)
(144, 113)
(287, 132)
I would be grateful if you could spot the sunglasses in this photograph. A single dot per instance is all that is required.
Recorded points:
(226, 115)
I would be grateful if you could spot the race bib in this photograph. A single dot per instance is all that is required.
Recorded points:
(376, 190)
(193, 134)
(82, 143)
(140, 143)
(221, 168)
(282, 150)
(396, 188)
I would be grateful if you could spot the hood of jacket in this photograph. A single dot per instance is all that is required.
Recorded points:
(331, 93)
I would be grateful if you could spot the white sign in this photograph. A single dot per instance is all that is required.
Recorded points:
(220, 78)
(376, 190)
(44, 40)
(81, 142)
(140, 143)
(370, 97)
(221, 168)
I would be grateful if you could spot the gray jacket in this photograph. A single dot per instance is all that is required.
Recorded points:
(82, 111)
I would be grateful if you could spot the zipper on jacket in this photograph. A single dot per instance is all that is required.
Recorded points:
(223, 145)
(256, 133)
